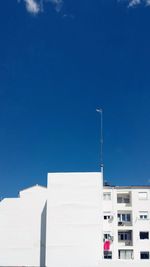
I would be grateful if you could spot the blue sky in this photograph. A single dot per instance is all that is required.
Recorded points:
(59, 61)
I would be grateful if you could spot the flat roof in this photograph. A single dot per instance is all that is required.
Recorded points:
(128, 187)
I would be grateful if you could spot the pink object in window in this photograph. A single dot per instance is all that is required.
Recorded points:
(107, 245)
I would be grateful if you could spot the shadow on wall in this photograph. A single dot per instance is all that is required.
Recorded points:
(43, 237)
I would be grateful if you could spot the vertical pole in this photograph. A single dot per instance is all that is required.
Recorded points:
(100, 111)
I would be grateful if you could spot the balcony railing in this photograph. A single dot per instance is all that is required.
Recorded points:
(124, 199)
(125, 238)
(124, 223)
(128, 243)
(125, 243)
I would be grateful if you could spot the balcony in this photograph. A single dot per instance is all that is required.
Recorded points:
(124, 199)
(123, 223)
(125, 254)
(124, 218)
(125, 238)
(128, 243)
(108, 236)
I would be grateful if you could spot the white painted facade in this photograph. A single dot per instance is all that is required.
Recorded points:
(63, 225)
(74, 209)
(22, 228)
(129, 222)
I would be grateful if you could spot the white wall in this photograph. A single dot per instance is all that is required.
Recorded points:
(74, 220)
(21, 233)
(74, 224)
(137, 226)
(140, 225)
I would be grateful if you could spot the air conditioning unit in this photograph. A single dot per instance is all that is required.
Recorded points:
(120, 223)
(111, 238)
(128, 243)
(111, 219)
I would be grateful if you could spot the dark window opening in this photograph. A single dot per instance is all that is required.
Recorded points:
(144, 255)
(107, 254)
(144, 235)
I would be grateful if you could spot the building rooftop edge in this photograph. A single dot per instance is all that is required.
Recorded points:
(127, 187)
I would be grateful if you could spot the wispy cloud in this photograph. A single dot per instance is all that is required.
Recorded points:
(148, 2)
(57, 4)
(134, 3)
(32, 6)
(37, 6)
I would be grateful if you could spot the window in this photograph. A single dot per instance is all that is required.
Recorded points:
(143, 195)
(107, 236)
(107, 254)
(107, 196)
(107, 217)
(143, 215)
(122, 236)
(125, 254)
(124, 198)
(144, 235)
(144, 255)
(125, 217)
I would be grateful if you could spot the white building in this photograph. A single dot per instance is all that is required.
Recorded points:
(22, 228)
(74, 209)
(76, 222)
(126, 222)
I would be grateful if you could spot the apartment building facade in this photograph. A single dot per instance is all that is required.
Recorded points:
(76, 222)
(126, 223)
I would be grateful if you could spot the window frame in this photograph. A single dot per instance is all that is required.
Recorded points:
(140, 195)
(146, 252)
(123, 217)
(105, 196)
(125, 254)
(123, 198)
(143, 215)
(106, 253)
(108, 217)
(142, 232)
(124, 236)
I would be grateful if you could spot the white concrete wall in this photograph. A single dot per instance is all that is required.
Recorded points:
(21, 233)
(74, 220)
(140, 225)
(109, 206)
